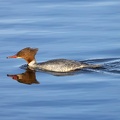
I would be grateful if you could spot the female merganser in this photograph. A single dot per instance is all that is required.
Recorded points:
(56, 65)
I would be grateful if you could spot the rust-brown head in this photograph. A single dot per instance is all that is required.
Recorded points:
(27, 53)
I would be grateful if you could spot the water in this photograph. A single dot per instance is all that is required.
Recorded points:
(74, 29)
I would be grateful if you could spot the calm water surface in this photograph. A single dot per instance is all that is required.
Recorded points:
(74, 29)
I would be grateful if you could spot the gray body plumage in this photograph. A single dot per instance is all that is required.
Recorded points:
(62, 65)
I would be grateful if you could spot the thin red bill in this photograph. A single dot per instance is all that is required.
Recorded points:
(14, 56)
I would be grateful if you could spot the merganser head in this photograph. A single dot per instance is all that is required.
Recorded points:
(27, 53)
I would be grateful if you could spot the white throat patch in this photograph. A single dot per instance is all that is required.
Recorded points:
(32, 63)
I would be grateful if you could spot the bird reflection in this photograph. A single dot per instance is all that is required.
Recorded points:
(29, 77)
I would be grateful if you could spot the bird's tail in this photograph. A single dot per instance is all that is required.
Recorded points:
(94, 66)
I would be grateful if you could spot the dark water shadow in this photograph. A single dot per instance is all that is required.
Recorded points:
(28, 77)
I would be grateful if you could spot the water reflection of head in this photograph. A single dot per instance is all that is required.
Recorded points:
(29, 77)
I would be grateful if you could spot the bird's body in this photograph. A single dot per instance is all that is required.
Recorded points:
(56, 65)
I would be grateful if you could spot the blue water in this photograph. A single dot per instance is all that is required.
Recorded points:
(80, 30)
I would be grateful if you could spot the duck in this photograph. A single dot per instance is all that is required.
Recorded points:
(54, 65)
